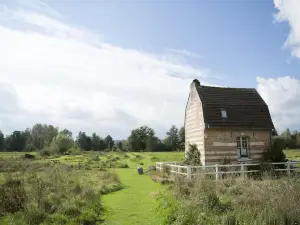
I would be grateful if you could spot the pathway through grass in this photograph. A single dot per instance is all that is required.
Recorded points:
(133, 205)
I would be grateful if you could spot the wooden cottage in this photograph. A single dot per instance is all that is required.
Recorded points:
(232, 123)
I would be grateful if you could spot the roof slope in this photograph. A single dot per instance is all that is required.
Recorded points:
(245, 108)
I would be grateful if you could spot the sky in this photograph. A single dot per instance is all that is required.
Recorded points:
(111, 66)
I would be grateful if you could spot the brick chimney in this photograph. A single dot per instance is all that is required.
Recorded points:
(195, 83)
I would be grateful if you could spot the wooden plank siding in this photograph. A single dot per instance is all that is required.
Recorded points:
(221, 143)
(194, 123)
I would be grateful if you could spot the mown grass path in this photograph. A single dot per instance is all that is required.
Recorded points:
(133, 205)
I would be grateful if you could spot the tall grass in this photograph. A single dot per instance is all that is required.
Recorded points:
(46, 193)
(235, 201)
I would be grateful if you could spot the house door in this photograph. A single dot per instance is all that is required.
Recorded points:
(243, 146)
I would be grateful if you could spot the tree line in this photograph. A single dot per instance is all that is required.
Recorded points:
(288, 139)
(43, 137)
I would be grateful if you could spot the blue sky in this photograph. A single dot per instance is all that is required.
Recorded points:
(110, 66)
(238, 40)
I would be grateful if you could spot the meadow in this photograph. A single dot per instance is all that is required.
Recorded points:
(105, 188)
(55, 190)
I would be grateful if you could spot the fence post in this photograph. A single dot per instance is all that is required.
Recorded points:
(289, 168)
(189, 172)
(217, 172)
(242, 170)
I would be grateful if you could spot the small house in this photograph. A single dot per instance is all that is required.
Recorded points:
(227, 123)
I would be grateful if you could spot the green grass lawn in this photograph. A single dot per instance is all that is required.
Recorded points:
(134, 205)
(293, 154)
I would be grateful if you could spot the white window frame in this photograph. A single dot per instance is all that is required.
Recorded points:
(243, 142)
(223, 113)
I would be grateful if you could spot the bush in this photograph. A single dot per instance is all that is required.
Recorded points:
(154, 159)
(63, 142)
(48, 151)
(193, 156)
(275, 153)
(12, 196)
(122, 165)
(236, 202)
(54, 195)
(112, 187)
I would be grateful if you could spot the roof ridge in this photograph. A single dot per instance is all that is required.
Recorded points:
(227, 87)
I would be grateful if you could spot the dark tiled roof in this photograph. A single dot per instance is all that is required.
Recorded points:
(244, 106)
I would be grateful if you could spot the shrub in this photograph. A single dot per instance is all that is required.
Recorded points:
(63, 142)
(122, 165)
(112, 187)
(12, 196)
(48, 151)
(236, 202)
(154, 159)
(275, 153)
(193, 156)
(54, 195)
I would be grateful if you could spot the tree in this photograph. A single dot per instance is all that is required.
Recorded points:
(290, 142)
(42, 135)
(15, 142)
(172, 139)
(109, 142)
(151, 143)
(120, 145)
(98, 143)
(139, 137)
(182, 138)
(63, 142)
(66, 132)
(84, 142)
(1, 141)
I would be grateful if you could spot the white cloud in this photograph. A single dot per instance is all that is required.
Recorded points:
(289, 10)
(54, 72)
(184, 52)
(283, 98)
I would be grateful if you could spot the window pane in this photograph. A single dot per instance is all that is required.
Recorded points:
(244, 146)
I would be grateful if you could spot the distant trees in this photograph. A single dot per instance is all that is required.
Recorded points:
(98, 143)
(182, 138)
(63, 141)
(15, 142)
(291, 140)
(172, 139)
(140, 138)
(2, 143)
(109, 142)
(53, 139)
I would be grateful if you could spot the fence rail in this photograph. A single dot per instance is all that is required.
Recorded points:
(242, 168)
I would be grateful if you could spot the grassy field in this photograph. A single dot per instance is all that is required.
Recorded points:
(125, 196)
(293, 154)
(132, 203)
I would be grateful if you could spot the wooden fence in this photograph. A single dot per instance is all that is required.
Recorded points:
(217, 170)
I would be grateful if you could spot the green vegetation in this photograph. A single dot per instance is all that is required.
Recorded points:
(46, 193)
(85, 188)
(50, 140)
(234, 201)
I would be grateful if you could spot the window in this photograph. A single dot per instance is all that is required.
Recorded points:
(223, 113)
(243, 146)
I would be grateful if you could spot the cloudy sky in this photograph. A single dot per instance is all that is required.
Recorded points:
(110, 66)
